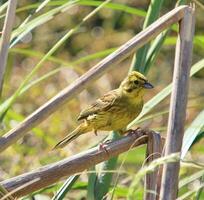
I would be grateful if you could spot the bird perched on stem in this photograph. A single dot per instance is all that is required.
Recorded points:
(113, 111)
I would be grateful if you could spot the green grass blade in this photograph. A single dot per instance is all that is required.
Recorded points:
(3, 7)
(145, 56)
(191, 133)
(40, 7)
(12, 115)
(199, 194)
(21, 31)
(154, 50)
(116, 6)
(91, 184)
(65, 188)
(191, 194)
(139, 59)
(103, 179)
(163, 112)
(37, 54)
(99, 54)
(198, 41)
(198, 137)
(185, 181)
(73, 64)
(174, 157)
(113, 6)
(155, 47)
(42, 18)
(163, 94)
(59, 61)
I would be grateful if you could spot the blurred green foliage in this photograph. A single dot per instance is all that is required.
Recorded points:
(113, 25)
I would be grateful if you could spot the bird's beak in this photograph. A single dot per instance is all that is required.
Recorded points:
(148, 85)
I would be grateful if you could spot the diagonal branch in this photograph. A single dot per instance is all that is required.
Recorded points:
(98, 70)
(52, 173)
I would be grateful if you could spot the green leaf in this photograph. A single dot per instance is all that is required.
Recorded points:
(58, 61)
(3, 7)
(146, 55)
(102, 180)
(154, 50)
(199, 194)
(12, 115)
(139, 60)
(40, 7)
(113, 6)
(198, 137)
(21, 31)
(192, 131)
(198, 41)
(116, 6)
(174, 157)
(188, 179)
(65, 188)
(191, 193)
(91, 184)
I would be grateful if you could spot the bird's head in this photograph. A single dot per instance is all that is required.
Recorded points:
(135, 83)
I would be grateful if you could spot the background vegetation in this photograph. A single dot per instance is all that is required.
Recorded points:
(38, 27)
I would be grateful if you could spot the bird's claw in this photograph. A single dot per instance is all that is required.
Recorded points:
(131, 131)
(102, 146)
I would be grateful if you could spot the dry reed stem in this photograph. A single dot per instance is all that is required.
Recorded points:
(154, 151)
(177, 114)
(52, 173)
(5, 39)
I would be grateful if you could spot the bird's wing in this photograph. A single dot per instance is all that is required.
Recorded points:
(101, 104)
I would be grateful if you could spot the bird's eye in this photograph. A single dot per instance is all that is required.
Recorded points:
(136, 82)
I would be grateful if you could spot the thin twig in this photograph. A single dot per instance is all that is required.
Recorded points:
(93, 74)
(5, 40)
(52, 173)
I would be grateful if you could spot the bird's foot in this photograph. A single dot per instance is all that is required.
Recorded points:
(131, 131)
(102, 146)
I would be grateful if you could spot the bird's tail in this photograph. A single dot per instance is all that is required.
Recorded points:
(81, 129)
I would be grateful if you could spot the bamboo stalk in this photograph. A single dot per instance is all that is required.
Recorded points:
(183, 57)
(6, 35)
(52, 173)
(94, 73)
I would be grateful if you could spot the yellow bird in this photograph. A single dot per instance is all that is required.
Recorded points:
(113, 111)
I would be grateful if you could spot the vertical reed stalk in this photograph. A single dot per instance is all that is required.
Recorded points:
(183, 57)
(154, 151)
(5, 40)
